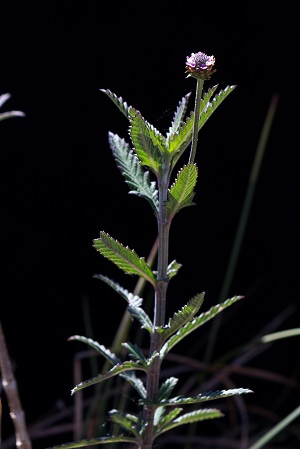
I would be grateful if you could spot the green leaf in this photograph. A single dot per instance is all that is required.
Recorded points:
(203, 397)
(173, 268)
(116, 370)
(181, 193)
(178, 117)
(166, 389)
(130, 167)
(165, 420)
(106, 353)
(182, 317)
(195, 323)
(129, 376)
(129, 297)
(182, 138)
(124, 258)
(189, 418)
(95, 441)
(123, 421)
(149, 144)
(118, 101)
(135, 382)
(141, 316)
(135, 352)
(214, 104)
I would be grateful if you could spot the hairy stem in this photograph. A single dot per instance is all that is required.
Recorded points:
(153, 374)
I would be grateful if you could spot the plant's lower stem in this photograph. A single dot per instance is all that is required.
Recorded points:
(153, 374)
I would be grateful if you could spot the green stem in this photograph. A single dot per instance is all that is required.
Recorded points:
(199, 89)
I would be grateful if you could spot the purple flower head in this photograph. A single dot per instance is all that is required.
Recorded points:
(200, 65)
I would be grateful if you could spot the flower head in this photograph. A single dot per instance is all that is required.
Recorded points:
(200, 65)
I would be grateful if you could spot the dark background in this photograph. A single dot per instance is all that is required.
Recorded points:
(60, 186)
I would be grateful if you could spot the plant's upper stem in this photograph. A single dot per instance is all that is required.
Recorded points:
(199, 89)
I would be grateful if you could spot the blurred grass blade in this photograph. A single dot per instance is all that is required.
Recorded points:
(279, 335)
(276, 429)
(242, 222)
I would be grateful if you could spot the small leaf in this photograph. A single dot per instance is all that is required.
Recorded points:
(118, 101)
(130, 167)
(173, 268)
(129, 376)
(129, 297)
(164, 421)
(109, 356)
(189, 418)
(181, 193)
(124, 258)
(195, 323)
(135, 382)
(141, 316)
(182, 317)
(117, 369)
(123, 421)
(178, 117)
(159, 412)
(182, 138)
(166, 389)
(135, 352)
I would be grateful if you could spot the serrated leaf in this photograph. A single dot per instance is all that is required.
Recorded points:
(106, 353)
(149, 144)
(135, 352)
(183, 138)
(116, 370)
(129, 165)
(214, 104)
(95, 441)
(123, 257)
(203, 397)
(129, 297)
(192, 417)
(123, 421)
(181, 193)
(195, 324)
(141, 316)
(166, 389)
(135, 382)
(164, 421)
(183, 316)
(130, 377)
(178, 117)
(118, 101)
(173, 268)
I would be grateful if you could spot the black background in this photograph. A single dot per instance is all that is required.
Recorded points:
(60, 186)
